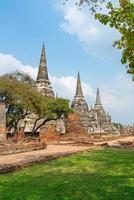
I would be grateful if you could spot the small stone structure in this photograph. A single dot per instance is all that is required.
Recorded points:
(2, 122)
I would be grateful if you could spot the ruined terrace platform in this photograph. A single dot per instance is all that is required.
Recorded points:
(14, 162)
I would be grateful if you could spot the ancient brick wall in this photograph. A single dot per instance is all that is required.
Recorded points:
(21, 147)
(2, 122)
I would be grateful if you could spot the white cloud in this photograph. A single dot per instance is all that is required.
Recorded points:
(94, 37)
(79, 23)
(32, 71)
(66, 86)
(117, 96)
(9, 63)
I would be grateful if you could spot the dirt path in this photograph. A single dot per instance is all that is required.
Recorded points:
(17, 161)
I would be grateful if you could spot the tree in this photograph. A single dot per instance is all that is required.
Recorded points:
(121, 18)
(53, 109)
(93, 5)
(19, 76)
(22, 100)
(117, 125)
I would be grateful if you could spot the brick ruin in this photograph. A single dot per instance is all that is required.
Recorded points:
(3, 130)
(76, 133)
(49, 135)
(94, 119)
(81, 126)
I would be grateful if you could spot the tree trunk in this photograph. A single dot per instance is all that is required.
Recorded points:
(34, 130)
(42, 124)
(37, 128)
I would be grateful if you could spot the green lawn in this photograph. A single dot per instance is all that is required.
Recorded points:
(94, 175)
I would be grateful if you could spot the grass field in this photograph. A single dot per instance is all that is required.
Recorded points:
(94, 175)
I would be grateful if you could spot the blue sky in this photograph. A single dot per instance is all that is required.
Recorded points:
(73, 40)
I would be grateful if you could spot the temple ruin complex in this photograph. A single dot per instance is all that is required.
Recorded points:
(94, 119)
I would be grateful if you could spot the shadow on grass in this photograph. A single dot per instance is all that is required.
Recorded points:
(95, 175)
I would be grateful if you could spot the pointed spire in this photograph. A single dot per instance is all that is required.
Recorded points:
(98, 99)
(78, 88)
(43, 73)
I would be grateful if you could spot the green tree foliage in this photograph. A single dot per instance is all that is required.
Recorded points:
(122, 19)
(20, 76)
(93, 5)
(53, 109)
(118, 125)
(22, 99)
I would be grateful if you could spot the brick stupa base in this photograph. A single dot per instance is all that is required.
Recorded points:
(75, 131)
(49, 135)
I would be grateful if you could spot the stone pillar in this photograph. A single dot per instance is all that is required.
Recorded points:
(2, 122)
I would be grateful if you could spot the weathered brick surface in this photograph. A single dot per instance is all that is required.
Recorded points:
(123, 145)
(2, 122)
(49, 135)
(2, 129)
(74, 125)
(75, 131)
(18, 148)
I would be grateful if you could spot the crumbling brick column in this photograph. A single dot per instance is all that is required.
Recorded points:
(49, 135)
(3, 131)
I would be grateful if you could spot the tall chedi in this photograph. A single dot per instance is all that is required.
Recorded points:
(103, 119)
(98, 103)
(43, 84)
(98, 106)
(79, 104)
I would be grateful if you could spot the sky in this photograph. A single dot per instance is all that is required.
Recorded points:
(73, 40)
